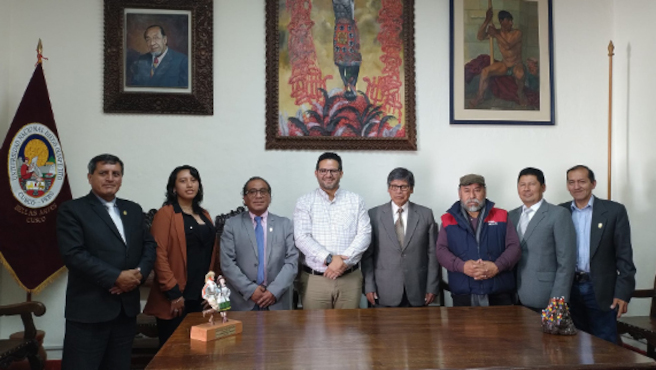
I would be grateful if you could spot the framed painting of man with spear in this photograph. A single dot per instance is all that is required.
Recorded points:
(501, 62)
(340, 74)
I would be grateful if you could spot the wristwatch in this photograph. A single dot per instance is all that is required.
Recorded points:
(329, 259)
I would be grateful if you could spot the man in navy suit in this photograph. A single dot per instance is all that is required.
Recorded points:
(605, 274)
(108, 252)
(162, 66)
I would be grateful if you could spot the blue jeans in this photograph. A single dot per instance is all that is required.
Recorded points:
(588, 316)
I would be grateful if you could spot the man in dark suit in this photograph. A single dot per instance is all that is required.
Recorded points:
(258, 257)
(399, 267)
(605, 273)
(162, 66)
(548, 242)
(108, 252)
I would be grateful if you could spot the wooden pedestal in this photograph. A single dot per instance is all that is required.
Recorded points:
(207, 332)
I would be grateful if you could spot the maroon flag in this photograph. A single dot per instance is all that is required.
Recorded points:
(32, 187)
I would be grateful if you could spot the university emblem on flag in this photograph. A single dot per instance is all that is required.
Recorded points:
(36, 166)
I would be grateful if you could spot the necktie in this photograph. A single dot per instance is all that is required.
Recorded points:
(523, 222)
(259, 237)
(398, 227)
(113, 213)
(155, 63)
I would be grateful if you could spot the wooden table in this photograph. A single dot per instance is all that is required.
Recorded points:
(395, 338)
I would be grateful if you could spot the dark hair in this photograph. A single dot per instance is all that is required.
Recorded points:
(401, 173)
(532, 171)
(244, 190)
(172, 197)
(504, 15)
(161, 29)
(330, 155)
(591, 175)
(106, 158)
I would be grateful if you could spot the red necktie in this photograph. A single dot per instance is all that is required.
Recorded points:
(155, 63)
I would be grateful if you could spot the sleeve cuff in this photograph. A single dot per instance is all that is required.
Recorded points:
(460, 265)
(174, 293)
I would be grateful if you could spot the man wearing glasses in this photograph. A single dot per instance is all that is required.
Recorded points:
(479, 247)
(332, 230)
(258, 258)
(400, 268)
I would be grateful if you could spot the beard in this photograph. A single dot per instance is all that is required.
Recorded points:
(473, 208)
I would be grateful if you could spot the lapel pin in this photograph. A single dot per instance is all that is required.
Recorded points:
(125, 213)
(271, 229)
(600, 225)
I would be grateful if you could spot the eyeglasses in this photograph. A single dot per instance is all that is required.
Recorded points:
(253, 192)
(325, 171)
(399, 187)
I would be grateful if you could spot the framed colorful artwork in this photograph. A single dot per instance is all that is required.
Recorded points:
(158, 56)
(502, 62)
(340, 75)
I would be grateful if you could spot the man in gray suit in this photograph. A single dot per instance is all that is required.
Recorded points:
(605, 274)
(399, 267)
(258, 257)
(548, 242)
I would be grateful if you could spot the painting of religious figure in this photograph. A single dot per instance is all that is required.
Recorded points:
(501, 62)
(340, 74)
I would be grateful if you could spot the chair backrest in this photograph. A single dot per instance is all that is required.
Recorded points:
(648, 293)
(219, 223)
(443, 285)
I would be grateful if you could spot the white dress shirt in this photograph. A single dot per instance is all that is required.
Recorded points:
(534, 208)
(337, 227)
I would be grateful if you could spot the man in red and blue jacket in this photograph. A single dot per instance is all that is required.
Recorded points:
(479, 247)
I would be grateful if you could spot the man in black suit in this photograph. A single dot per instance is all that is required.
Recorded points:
(605, 273)
(108, 252)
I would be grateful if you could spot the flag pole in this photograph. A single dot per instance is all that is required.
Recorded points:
(39, 53)
(39, 57)
(611, 49)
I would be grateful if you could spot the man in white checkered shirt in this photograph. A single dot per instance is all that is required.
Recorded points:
(332, 231)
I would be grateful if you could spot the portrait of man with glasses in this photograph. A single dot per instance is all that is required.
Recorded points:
(400, 267)
(258, 257)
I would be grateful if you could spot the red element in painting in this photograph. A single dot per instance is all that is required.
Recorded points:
(503, 87)
(306, 78)
(386, 89)
(345, 113)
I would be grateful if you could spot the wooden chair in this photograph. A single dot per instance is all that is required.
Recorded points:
(27, 347)
(219, 223)
(641, 327)
(443, 286)
(146, 339)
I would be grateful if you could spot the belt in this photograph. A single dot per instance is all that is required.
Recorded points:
(581, 277)
(315, 272)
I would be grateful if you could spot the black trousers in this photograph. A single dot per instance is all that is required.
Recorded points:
(106, 345)
(165, 328)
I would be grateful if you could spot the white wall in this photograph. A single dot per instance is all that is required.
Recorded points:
(634, 158)
(5, 28)
(228, 147)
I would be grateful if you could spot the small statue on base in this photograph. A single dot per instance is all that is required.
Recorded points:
(218, 297)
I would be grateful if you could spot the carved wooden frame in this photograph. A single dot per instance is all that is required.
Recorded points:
(201, 99)
(276, 141)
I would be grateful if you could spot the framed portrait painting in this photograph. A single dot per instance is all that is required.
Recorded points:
(502, 62)
(340, 75)
(158, 56)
